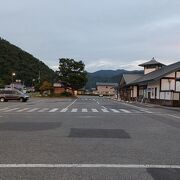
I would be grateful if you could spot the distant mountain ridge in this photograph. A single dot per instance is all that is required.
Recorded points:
(111, 76)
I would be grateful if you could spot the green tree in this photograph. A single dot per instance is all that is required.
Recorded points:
(72, 72)
(46, 86)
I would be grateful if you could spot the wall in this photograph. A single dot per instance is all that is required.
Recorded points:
(148, 70)
(106, 90)
(151, 88)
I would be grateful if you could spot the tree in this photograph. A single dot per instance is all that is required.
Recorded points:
(46, 86)
(72, 72)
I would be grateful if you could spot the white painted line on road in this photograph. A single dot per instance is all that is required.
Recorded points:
(21, 110)
(14, 109)
(53, 110)
(71, 104)
(84, 110)
(103, 107)
(98, 102)
(4, 109)
(178, 117)
(64, 110)
(104, 110)
(44, 109)
(143, 110)
(32, 110)
(124, 110)
(94, 110)
(127, 166)
(114, 110)
(74, 110)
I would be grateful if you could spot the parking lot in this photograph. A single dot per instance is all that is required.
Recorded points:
(88, 138)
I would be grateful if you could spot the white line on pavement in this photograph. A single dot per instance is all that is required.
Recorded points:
(74, 110)
(53, 110)
(104, 110)
(21, 110)
(103, 107)
(11, 110)
(114, 110)
(2, 109)
(44, 109)
(84, 110)
(32, 110)
(174, 116)
(132, 166)
(124, 110)
(71, 104)
(97, 102)
(64, 110)
(94, 110)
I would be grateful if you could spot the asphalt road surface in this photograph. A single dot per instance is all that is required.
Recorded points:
(88, 138)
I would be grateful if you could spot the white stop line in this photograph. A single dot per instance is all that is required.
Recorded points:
(137, 166)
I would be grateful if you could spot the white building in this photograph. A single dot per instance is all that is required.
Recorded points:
(160, 84)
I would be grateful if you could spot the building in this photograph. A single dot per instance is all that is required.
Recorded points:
(61, 87)
(107, 89)
(160, 84)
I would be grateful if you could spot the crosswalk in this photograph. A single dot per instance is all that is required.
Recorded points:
(71, 110)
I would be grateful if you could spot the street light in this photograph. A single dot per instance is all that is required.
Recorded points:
(13, 74)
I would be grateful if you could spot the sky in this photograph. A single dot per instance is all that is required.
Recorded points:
(104, 34)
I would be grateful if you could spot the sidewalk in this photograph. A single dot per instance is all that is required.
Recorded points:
(148, 104)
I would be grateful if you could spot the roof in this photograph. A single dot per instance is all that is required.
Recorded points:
(151, 62)
(106, 84)
(158, 74)
(128, 78)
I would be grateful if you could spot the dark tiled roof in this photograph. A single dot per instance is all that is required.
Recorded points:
(128, 78)
(106, 84)
(151, 62)
(158, 74)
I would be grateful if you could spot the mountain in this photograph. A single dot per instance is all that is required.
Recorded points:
(24, 65)
(112, 76)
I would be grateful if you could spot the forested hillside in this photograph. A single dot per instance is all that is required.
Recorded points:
(26, 67)
(112, 76)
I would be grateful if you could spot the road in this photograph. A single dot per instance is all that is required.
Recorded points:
(88, 138)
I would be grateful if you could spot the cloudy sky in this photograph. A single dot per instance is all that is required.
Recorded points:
(105, 34)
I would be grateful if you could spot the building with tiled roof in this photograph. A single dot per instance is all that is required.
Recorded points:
(159, 84)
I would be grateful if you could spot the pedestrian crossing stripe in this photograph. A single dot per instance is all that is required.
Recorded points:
(43, 110)
(21, 110)
(73, 110)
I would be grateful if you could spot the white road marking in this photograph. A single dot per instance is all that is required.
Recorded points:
(126, 166)
(74, 110)
(103, 107)
(32, 110)
(14, 109)
(21, 110)
(143, 110)
(44, 109)
(94, 110)
(178, 117)
(114, 110)
(136, 111)
(64, 110)
(98, 102)
(104, 110)
(4, 109)
(71, 104)
(53, 110)
(124, 110)
(84, 110)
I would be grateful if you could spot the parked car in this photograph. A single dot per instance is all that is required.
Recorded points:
(12, 94)
(100, 95)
